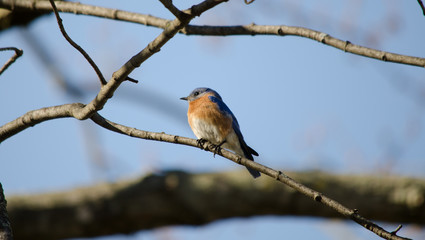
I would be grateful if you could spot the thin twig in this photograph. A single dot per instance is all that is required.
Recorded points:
(173, 9)
(422, 6)
(18, 53)
(131, 79)
(76, 46)
(397, 229)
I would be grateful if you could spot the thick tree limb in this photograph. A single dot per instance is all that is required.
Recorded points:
(177, 198)
(5, 228)
(282, 30)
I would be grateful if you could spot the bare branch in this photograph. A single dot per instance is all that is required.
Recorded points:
(173, 9)
(278, 30)
(278, 175)
(324, 38)
(76, 46)
(18, 53)
(422, 6)
(37, 116)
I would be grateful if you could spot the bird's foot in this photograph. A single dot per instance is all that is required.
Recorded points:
(201, 143)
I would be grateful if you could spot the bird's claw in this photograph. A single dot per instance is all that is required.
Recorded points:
(217, 148)
(201, 143)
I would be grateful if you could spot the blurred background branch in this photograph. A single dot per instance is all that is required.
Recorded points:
(178, 198)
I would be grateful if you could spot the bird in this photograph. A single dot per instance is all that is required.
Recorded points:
(211, 120)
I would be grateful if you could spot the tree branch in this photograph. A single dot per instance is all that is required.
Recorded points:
(279, 30)
(5, 228)
(18, 53)
(34, 117)
(324, 38)
(178, 198)
(173, 9)
(278, 175)
(76, 46)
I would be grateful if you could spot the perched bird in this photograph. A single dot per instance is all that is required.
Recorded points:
(211, 119)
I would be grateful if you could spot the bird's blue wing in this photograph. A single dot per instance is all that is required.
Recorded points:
(223, 108)
(248, 151)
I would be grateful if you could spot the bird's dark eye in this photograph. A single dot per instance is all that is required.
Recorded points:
(195, 94)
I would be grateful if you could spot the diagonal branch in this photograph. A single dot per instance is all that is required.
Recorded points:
(277, 30)
(278, 175)
(18, 53)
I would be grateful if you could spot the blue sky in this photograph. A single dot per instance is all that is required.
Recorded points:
(300, 104)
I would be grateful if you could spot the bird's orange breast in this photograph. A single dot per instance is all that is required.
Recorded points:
(207, 111)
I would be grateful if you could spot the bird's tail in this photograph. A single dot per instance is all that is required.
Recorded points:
(248, 152)
(254, 173)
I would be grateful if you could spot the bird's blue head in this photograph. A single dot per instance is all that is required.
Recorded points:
(199, 92)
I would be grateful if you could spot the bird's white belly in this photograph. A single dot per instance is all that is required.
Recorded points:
(211, 133)
(207, 131)
(232, 143)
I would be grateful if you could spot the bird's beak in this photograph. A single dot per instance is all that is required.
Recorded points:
(183, 98)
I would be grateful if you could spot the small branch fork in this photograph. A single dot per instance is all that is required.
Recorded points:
(18, 53)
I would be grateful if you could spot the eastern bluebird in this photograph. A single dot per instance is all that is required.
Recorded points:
(211, 119)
